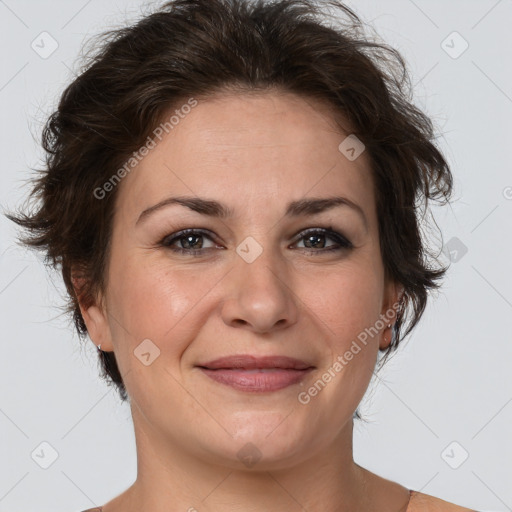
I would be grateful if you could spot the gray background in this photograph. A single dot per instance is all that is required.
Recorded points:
(446, 395)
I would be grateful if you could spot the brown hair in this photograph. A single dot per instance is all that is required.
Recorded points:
(197, 48)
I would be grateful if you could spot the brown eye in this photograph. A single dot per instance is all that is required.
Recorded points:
(188, 241)
(318, 239)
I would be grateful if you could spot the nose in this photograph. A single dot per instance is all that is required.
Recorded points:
(260, 295)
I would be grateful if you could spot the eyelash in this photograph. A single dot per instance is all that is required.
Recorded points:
(343, 243)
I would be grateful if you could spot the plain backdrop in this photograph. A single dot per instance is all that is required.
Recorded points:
(439, 415)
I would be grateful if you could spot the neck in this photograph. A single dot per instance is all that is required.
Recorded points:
(170, 478)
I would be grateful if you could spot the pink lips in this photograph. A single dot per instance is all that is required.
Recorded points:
(256, 374)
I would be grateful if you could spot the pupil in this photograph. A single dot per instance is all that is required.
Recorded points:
(311, 238)
(189, 241)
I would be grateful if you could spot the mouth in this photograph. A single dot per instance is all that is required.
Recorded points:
(256, 374)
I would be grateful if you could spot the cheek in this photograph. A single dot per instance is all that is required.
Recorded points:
(151, 302)
(346, 304)
(346, 300)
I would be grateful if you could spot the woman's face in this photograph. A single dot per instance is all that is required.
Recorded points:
(261, 280)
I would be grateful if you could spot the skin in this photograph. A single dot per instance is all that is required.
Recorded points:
(254, 153)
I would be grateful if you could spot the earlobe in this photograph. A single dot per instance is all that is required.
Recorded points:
(97, 327)
(386, 336)
(95, 317)
(391, 306)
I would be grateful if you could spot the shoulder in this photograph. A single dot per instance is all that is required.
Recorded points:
(95, 509)
(420, 502)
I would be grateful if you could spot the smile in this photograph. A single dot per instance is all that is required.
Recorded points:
(256, 374)
(260, 380)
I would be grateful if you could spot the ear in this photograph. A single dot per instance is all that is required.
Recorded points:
(393, 293)
(94, 314)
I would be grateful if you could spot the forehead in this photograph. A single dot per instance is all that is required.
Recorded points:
(234, 147)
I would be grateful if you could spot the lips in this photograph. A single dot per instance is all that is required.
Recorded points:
(256, 374)
(248, 362)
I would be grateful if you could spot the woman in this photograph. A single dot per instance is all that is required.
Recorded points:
(232, 194)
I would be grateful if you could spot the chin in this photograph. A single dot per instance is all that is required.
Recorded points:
(264, 441)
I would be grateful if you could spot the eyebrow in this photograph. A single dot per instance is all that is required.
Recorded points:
(210, 207)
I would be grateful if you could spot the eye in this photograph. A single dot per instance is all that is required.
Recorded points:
(192, 241)
(315, 240)
(189, 241)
